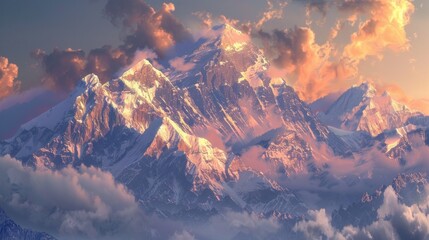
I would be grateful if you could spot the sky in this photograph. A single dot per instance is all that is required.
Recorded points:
(390, 51)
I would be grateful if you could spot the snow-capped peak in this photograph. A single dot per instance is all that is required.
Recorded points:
(232, 39)
(362, 107)
(139, 67)
(369, 89)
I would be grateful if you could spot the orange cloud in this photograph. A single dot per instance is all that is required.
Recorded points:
(385, 28)
(8, 75)
(308, 65)
(316, 70)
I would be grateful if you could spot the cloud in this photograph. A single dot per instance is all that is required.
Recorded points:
(106, 61)
(274, 11)
(253, 158)
(316, 5)
(145, 28)
(318, 225)
(307, 63)
(385, 28)
(184, 235)
(148, 28)
(395, 220)
(212, 135)
(84, 203)
(229, 225)
(206, 18)
(314, 69)
(63, 68)
(8, 75)
(179, 64)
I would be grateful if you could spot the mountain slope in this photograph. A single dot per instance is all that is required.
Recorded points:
(139, 128)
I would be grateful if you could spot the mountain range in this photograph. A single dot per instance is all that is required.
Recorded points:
(221, 134)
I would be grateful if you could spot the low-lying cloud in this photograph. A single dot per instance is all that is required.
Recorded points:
(84, 203)
(230, 225)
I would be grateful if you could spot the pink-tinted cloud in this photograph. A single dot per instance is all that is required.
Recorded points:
(8, 75)
(307, 63)
(179, 64)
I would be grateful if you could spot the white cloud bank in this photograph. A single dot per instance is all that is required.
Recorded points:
(84, 203)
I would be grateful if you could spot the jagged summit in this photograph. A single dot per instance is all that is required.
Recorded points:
(231, 39)
(141, 69)
(363, 108)
(90, 80)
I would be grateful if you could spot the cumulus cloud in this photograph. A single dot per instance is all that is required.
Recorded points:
(106, 62)
(315, 69)
(145, 28)
(63, 68)
(296, 52)
(158, 30)
(84, 203)
(395, 220)
(318, 225)
(8, 75)
(385, 28)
